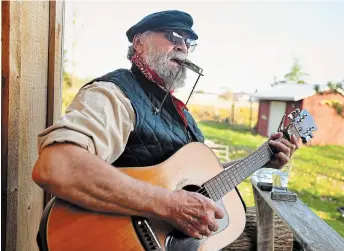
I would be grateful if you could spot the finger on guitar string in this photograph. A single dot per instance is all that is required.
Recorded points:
(282, 146)
(295, 141)
(213, 226)
(208, 223)
(205, 224)
(282, 158)
(286, 146)
(205, 231)
(291, 146)
(277, 135)
(190, 211)
(192, 232)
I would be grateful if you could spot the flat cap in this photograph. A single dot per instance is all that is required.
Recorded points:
(165, 20)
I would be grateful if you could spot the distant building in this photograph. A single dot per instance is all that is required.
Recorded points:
(285, 98)
(242, 96)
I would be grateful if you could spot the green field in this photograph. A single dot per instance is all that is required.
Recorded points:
(317, 175)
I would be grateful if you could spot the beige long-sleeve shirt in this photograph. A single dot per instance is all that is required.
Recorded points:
(99, 119)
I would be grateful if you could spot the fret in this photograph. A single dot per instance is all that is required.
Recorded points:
(242, 170)
(222, 184)
(224, 181)
(230, 177)
(247, 170)
(209, 190)
(226, 175)
(236, 175)
(216, 192)
(222, 189)
(213, 189)
(215, 197)
(219, 186)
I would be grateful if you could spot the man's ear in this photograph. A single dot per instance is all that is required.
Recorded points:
(138, 44)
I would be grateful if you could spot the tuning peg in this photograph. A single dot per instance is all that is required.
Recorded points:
(294, 114)
(306, 139)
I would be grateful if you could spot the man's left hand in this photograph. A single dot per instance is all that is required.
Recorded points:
(284, 148)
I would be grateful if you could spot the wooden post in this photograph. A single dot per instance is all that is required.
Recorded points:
(265, 223)
(25, 50)
(55, 67)
(5, 29)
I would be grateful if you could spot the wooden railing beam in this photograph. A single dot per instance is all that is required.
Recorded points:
(313, 233)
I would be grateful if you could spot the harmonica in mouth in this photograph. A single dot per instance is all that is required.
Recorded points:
(192, 66)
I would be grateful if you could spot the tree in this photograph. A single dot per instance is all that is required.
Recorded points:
(295, 74)
(336, 86)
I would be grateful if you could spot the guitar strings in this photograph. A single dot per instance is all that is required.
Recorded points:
(221, 188)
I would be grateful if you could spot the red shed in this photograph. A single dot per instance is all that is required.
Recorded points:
(283, 99)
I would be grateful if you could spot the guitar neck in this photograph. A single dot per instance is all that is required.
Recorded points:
(225, 181)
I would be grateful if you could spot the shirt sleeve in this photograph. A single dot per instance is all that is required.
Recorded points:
(99, 119)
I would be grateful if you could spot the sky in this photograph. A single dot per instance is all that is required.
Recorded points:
(242, 45)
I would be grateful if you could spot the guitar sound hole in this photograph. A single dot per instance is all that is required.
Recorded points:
(198, 189)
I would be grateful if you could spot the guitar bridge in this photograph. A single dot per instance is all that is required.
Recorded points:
(146, 235)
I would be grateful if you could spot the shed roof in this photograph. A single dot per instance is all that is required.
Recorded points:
(288, 92)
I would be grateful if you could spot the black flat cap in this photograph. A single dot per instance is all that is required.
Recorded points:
(165, 20)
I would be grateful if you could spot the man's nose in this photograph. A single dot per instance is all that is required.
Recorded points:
(181, 47)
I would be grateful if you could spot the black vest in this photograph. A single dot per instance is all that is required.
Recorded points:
(156, 136)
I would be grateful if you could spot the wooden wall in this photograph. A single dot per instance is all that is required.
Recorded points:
(31, 48)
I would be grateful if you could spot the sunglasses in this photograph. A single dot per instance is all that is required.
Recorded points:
(177, 39)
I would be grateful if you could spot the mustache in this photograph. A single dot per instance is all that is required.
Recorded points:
(176, 55)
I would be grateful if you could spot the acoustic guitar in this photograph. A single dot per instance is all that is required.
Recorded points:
(195, 167)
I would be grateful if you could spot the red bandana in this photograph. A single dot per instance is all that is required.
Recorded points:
(152, 76)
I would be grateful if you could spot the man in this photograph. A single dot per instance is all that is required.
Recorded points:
(123, 119)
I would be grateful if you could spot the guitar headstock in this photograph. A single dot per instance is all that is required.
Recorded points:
(302, 125)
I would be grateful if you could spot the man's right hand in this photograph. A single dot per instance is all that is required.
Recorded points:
(193, 214)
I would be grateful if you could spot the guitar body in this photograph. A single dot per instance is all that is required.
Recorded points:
(66, 227)
(72, 228)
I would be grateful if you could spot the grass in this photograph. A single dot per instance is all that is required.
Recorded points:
(317, 175)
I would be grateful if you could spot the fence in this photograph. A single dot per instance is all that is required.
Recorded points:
(236, 114)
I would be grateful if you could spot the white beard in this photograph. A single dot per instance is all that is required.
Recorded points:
(158, 62)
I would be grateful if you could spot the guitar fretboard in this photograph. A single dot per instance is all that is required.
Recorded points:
(225, 181)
